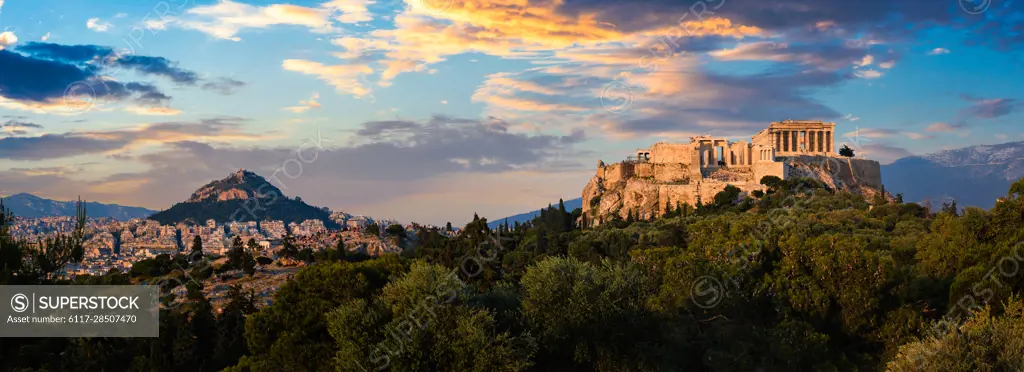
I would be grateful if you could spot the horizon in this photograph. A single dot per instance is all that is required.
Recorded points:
(347, 105)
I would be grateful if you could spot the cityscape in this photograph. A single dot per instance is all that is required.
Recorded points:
(511, 185)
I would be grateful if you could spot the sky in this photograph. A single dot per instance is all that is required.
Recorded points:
(431, 110)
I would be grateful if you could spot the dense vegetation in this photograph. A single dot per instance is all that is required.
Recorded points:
(800, 278)
(275, 208)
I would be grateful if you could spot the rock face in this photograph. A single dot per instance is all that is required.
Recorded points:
(239, 185)
(645, 188)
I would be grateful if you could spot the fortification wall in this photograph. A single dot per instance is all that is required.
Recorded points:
(676, 194)
(777, 169)
(643, 170)
(672, 173)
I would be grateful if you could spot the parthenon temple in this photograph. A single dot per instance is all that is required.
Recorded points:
(670, 174)
(705, 154)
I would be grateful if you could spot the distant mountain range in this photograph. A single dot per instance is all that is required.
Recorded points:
(31, 206)
(523, 217)
(242, 196)
(973, 176)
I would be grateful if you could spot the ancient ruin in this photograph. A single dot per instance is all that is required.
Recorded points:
(694, 172)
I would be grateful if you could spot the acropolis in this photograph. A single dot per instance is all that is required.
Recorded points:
(694, 172)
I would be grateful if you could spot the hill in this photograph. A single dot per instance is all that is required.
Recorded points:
(31, 206)
(242, 196)
(570, 205)
(973, 176)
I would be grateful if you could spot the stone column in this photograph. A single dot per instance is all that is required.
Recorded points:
(828, 142)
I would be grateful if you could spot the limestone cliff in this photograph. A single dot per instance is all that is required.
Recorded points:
(645, 188)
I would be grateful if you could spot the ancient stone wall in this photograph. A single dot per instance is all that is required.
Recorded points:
(679, 153)
(672, 173)
(777, 169)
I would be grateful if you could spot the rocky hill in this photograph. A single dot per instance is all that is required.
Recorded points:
(973, 176)
(645, 188)
(31, 206)
(242, 196)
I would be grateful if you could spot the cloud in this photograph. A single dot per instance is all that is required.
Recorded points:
(828, 56)
(226, 19)
(46, 77)
(938, 51)
(152, 111)
(919, 136)
(382, 160)
(7, 38)
(97, 25)
(873, 133)
(93, 56)
(868, 74)
(883, 153)
(224, 85)
(850, 117)
(944, 127)
(344, 78)
(55, 146)
(17, 127)
(40, 83)
(305, 105)
(990, 108)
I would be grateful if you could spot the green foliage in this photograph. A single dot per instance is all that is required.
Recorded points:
(258, 209)
(984, 343)
(727, 197)
(291, 334)
(395, 230)
(373, 229)
(846, 151)
(802, 279)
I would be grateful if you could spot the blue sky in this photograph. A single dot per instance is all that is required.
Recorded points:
(431, 110)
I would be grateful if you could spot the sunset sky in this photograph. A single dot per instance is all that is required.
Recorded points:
(432, 110)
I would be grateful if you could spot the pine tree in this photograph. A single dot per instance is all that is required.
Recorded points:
(197, 250)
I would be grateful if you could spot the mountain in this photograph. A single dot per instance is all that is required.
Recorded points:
(523, 217)
(973, 176)
(28, 205)
(242, 196)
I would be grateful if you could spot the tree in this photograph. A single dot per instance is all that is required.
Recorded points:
(846, 151)
(984, 343)
(727, 196)
(236, 256)
(373, 229)
(774, 183)
(288, 247)
(197, 249)
(230, 344)
(950, 208)
(395, 230)
(424, 321)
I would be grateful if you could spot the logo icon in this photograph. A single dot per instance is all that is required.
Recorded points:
(19, 303)
(707, 292)
(616, 97)
(974, 7)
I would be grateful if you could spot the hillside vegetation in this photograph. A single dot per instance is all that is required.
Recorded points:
(799, 278)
